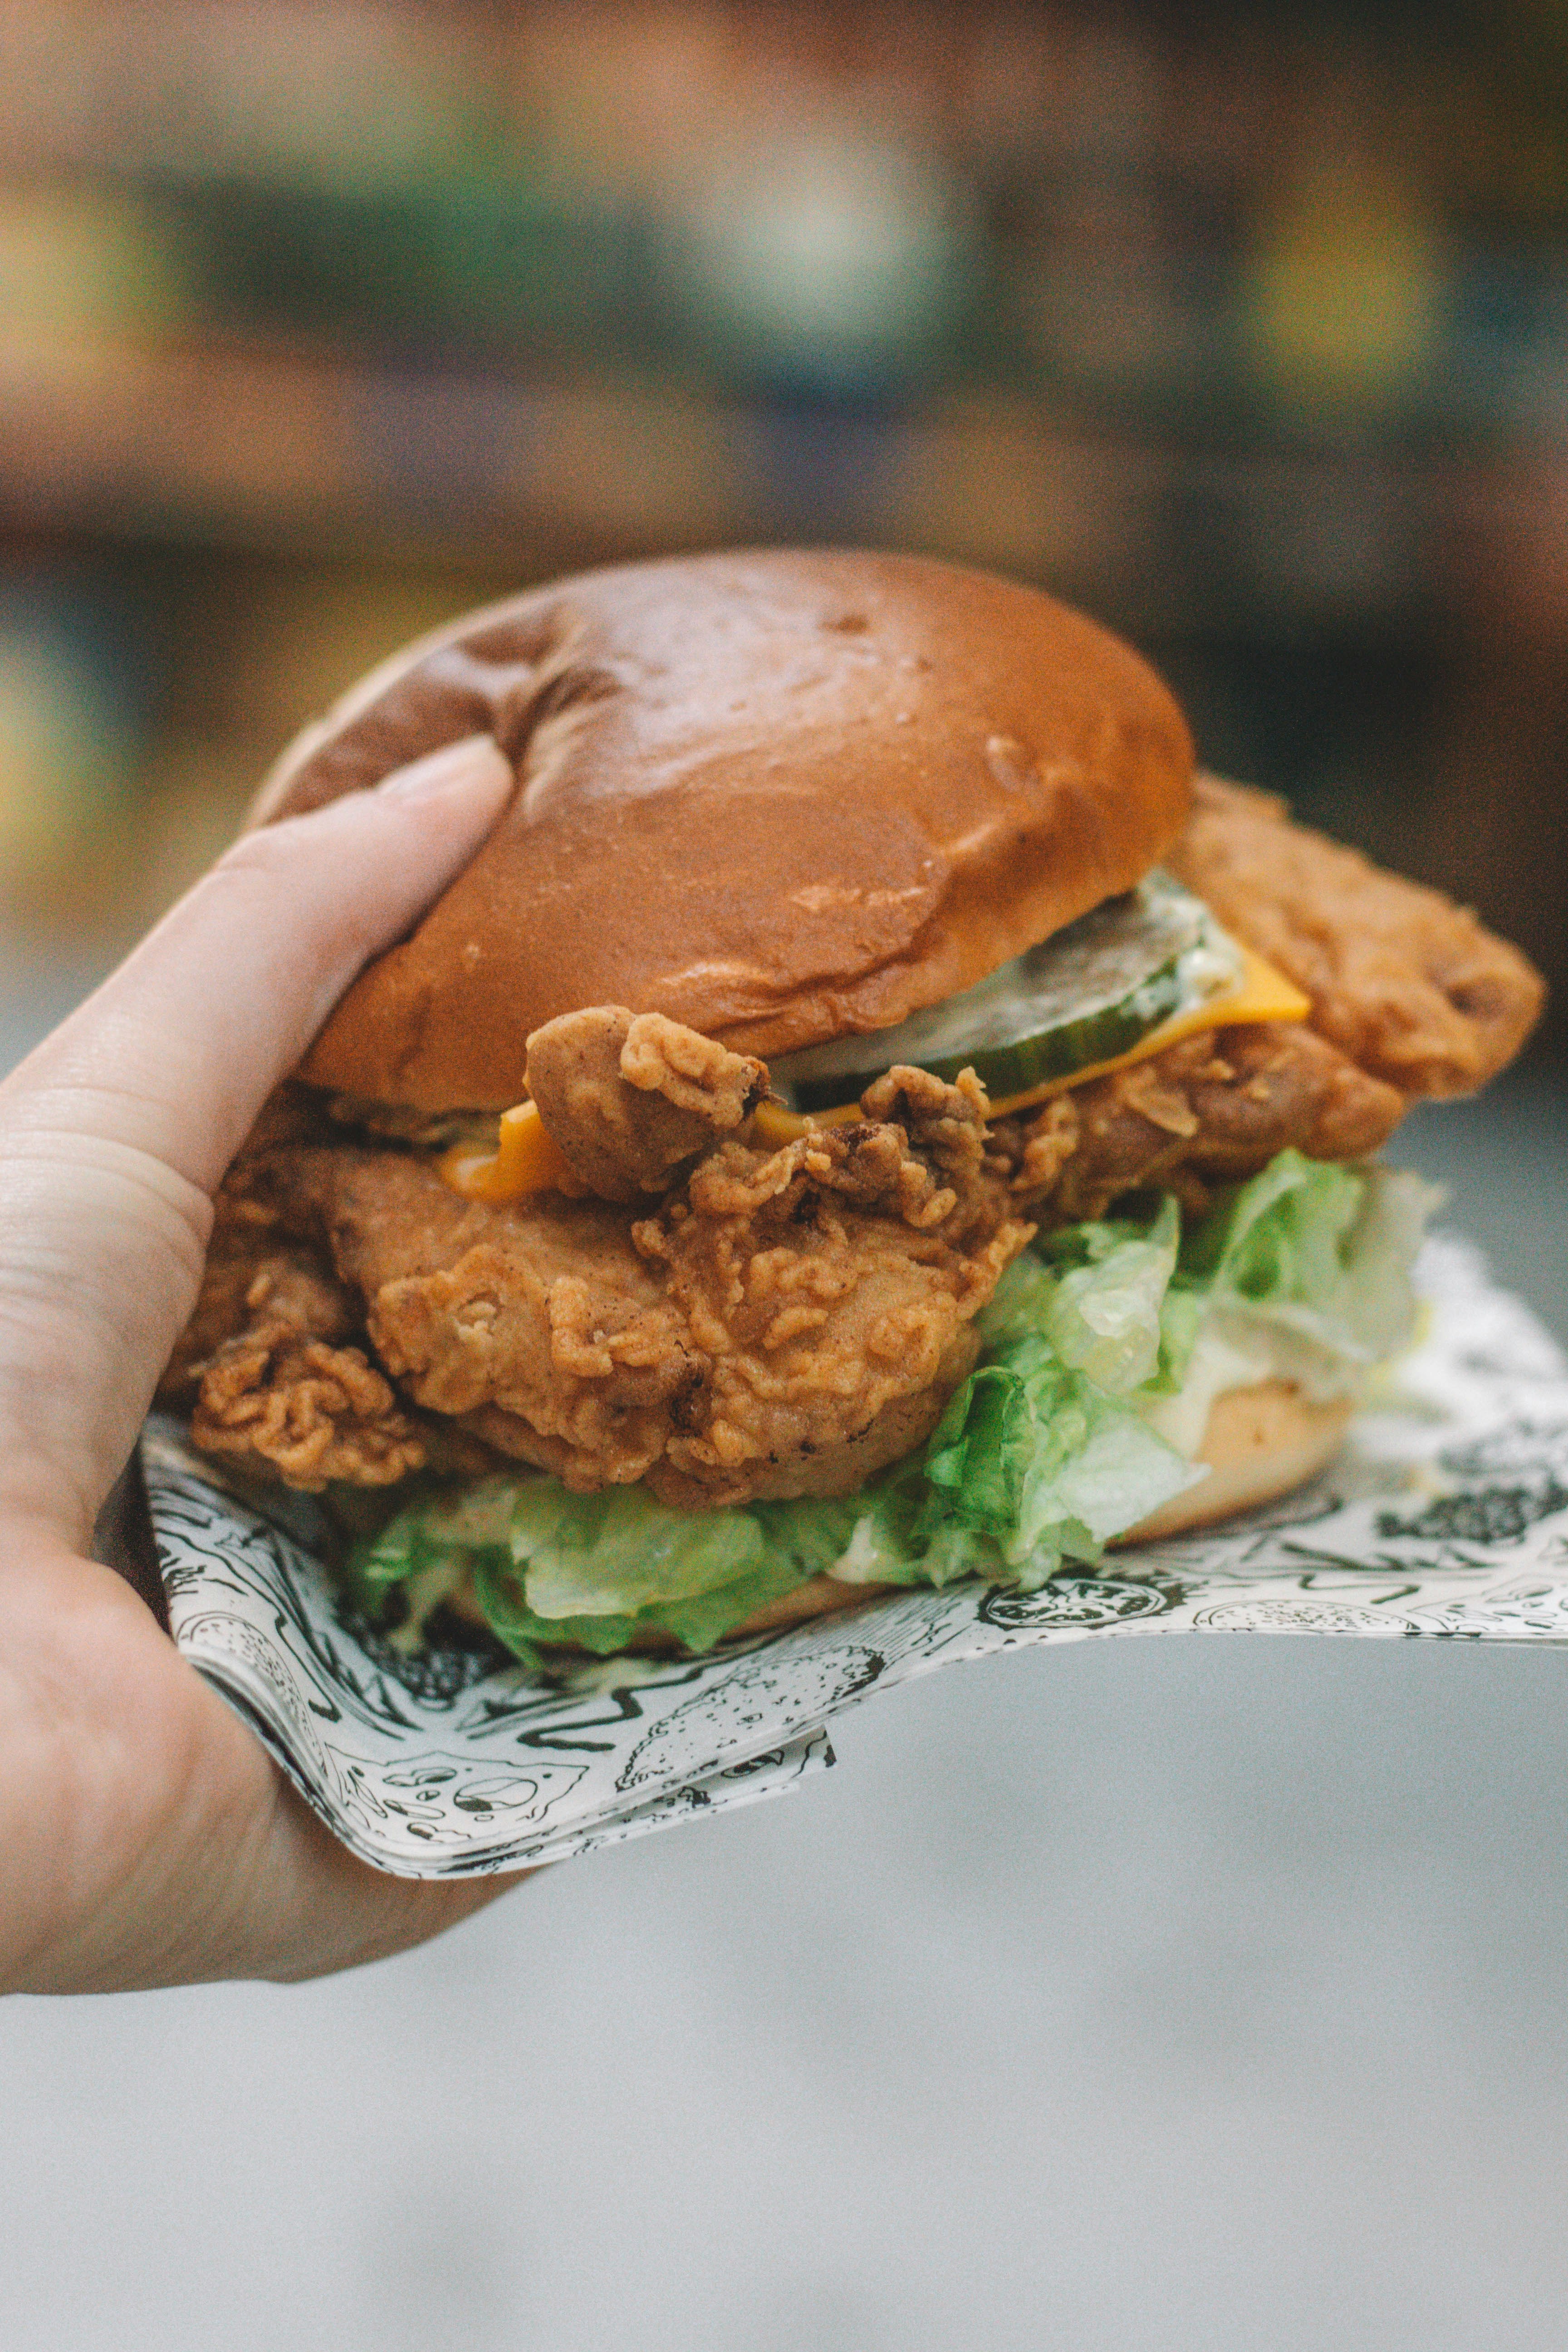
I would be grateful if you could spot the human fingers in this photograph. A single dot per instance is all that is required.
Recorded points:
(115, 1130)
(175, 1054)
(325, 1910)
(149, 1840)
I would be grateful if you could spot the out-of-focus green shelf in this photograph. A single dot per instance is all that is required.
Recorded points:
(243, 447)
(277, 450)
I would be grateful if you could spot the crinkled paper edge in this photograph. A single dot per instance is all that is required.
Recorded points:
(1447, 1514)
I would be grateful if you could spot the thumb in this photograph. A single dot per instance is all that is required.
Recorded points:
(176, 1053)
(115, 1132)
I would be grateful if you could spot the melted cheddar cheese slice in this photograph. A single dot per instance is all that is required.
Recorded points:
(526, 1160)
(1261, 994)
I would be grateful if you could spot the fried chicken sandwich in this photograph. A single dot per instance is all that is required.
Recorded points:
(868, 1115)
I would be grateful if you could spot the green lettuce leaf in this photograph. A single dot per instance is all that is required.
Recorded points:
(1162, 1318)
(621, 1550)
(424, 1553)
(1032, 1463)
(1323, 1251)
(697, 1622)
(1104, 1320)
(1042, 1455)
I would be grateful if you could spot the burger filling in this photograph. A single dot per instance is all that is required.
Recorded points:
(1078, 1422)
(664, 1346)
(1134, 974)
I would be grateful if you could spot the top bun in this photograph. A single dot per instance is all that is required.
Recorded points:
(777, 796)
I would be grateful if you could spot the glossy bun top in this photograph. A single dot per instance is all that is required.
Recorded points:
(776, 795)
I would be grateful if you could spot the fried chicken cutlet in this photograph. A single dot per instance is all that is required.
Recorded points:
(1411, 998)
(776, 1323)
(1413, 988)
(731, 1323)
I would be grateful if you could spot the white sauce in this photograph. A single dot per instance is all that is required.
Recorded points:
(1233, 1351)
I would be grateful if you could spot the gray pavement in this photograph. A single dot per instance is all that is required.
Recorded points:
(1129, 1997)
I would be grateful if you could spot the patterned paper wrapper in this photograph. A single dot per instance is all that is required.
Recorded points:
(1445, 1514)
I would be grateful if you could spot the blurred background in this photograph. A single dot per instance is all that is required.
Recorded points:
(1207, 2002)
(1246, 327)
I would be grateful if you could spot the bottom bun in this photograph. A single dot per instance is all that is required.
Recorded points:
(1259, 1442)
(820, 1598)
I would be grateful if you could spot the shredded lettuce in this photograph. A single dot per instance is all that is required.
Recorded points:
(621, 1550)
(1031, 1464)
(1105, 1318)
(1043, 1455)
(697, 1621)
(1310, 1248)
(1321, 1251)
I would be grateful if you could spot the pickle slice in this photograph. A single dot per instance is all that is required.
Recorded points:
(1092, 992)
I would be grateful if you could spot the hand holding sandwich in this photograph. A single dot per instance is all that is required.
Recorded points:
(869, 1114)
(866, 1114)
(145, 1839)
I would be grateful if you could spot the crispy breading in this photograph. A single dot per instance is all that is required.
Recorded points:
(629, 1096)
(832, 1285)
(1408, 985)
(538, 1323)
(253, 1277)
(262, 1367)
(786, 1322)
(316, 1412)
(1212, 1109)
(783, 1323)
(272, 1382)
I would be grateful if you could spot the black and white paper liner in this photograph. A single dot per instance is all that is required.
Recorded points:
(1447, 1514)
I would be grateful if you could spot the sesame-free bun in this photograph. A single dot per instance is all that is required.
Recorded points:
(778, 796)
(1258, 1444)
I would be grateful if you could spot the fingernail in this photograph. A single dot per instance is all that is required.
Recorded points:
(478, 758)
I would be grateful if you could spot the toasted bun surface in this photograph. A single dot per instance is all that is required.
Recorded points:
(778, 796)
(1259, 1443)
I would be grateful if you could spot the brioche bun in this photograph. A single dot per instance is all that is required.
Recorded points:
(779, 796)
(1259, 1443)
